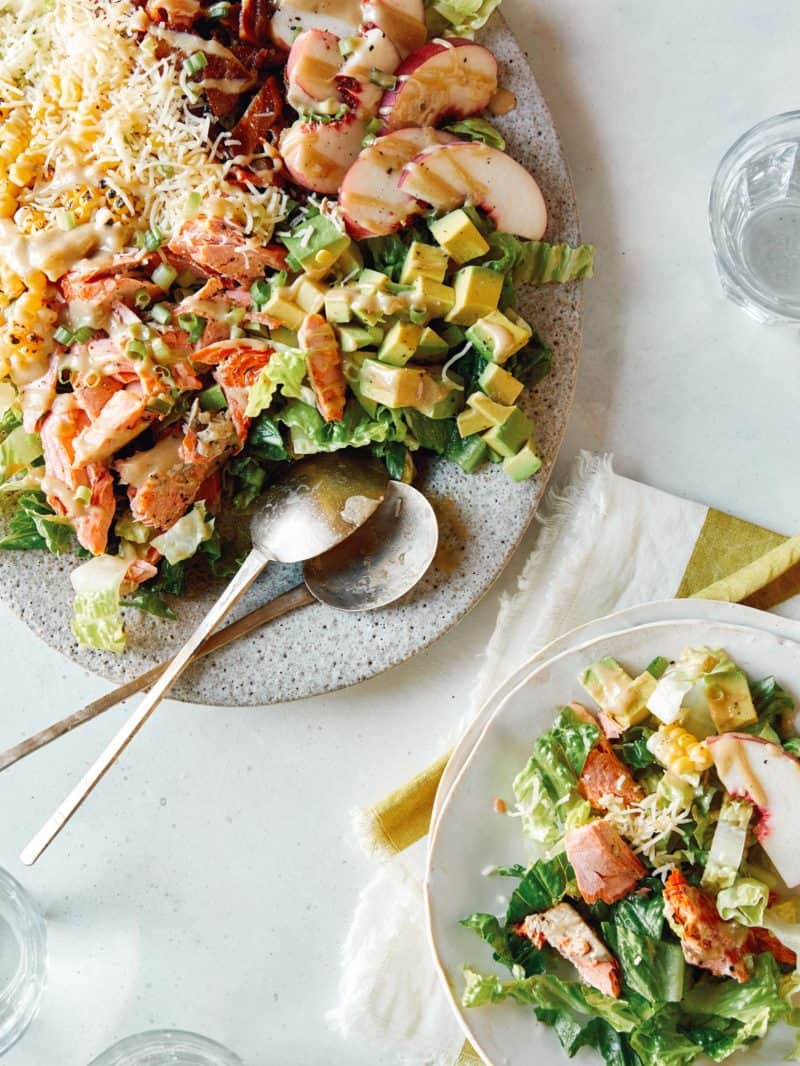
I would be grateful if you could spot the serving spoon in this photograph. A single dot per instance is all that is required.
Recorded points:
(374, 567)
(317, 504)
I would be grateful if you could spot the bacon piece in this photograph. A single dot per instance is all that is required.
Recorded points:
(255, 21)
(215, 247)
(224, 78)
(325, 371)
(574, 939)
(263, 114)
(707, 941)
(605, 866)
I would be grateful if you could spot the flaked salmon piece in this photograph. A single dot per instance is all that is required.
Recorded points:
(36, 398)
(237, 375)
(215, 247)
(94, 521)
(760, 940)
(105, 289)
(325, 370)
(706, 940)
(217, 353)
(574, 939)
(124, 417)
(605, 866)
(604, 774)
(92, 399)
(59, 431)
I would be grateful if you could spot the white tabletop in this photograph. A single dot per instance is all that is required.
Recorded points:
(209, 882)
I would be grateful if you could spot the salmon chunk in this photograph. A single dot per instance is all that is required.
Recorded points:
(603, 773)
(121, 419)
(324, 362)
(605, 866)
(213, 247)
(707, 941)
(574, 939)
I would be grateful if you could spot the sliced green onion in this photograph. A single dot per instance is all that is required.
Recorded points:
(164, 275)
(237, 333)
(142, 299)
(234, 316)
(83, 334)
(161, 314)
(153, 239)
(260, 292)
(257, 329)
(163, 372)
(195, 63)
(166, 170)
(161, 405)
(161, 350)
(186, 279)
(371, 132)
(66, 219)
(382, 79)
(347, 45)
(417, 315)
(136, 349)
(219, 11)
(194, 326)
(63, 336)
(149, 44)
(83, 494)
(139, 331)
(193, 204)
(213, 399)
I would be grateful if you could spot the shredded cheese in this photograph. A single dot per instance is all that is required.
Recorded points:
(98, 120)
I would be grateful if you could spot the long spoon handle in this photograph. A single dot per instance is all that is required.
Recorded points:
(242, 627)
(250, 569)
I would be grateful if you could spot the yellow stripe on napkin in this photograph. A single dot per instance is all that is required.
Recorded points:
(404, 816)
(724, 546)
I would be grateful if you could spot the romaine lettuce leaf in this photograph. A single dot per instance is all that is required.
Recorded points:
(97, 622)
(18, 451)
(509, 949)
(285, 371)
(458, 18)
(745, 901)
(576, 737)
(183, 539)
(544, 884)
(659, 1042)
(478, 129)
(729, 999)
(770, 700)
(538, 262)
(311, 434)
(35, 525)
(149, 601)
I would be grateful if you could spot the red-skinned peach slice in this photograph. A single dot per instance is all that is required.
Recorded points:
(293, 17)
(444, 79)
(318, 155)
(403, 22)
(314, 61)
(372, 51)
(370, 198)
(449, 176)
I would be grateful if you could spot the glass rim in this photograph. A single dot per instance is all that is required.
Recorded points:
(21, 995)
(725, 262)
(163, 1040)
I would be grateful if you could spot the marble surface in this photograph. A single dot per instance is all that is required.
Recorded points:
(208, 885)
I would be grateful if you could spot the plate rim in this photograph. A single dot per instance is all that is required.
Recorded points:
(503, 694)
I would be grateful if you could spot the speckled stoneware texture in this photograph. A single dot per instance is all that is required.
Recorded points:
(483, 516)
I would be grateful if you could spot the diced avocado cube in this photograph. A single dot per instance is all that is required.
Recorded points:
(351, 338)
(730, 703)
(393, 386)
(455, 336)
(497, 337)
(317, 244)
(441, 397)
(507, 438)
(616, 692)
(400, 343)
(372, 279)
(524, 464)
(367, 308)
(282, 335)
(499, 385)
(349, 261)
(309, 294)
(496, 413)
(287, 312)
(435, 297)
(470, 422)
(459, 236)
(424, 261)
(337, 305)
(470, 454)
(431, 348)
(477, 292)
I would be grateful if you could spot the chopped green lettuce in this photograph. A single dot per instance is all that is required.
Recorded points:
(509, 949)
(97, 621)
(478, 129)
(745, 901)
(728, 844)
(183, 539)
(458, 18)
(18, 451)
(729, 999)
(35, 525)
(543, 886)
(310, 433)
(659, 1042)
(770, 700)
(285, 372)
(149, 601)
(537, 262)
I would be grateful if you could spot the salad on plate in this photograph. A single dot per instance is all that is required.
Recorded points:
(656, 923)
(234, 233)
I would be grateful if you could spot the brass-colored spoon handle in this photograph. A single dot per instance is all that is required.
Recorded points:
(242, 627)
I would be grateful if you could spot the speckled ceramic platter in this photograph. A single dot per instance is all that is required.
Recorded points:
(482, 516)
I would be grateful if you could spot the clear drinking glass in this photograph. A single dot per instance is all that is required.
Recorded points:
(167, 1047)
(23, 960)
(755, 220)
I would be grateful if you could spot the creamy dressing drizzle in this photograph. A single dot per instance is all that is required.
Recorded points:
(55, 251)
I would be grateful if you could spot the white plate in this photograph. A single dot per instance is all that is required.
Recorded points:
(469, 836)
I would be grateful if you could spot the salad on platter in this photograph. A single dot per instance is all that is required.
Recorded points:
(234, 233)
(657, 922)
